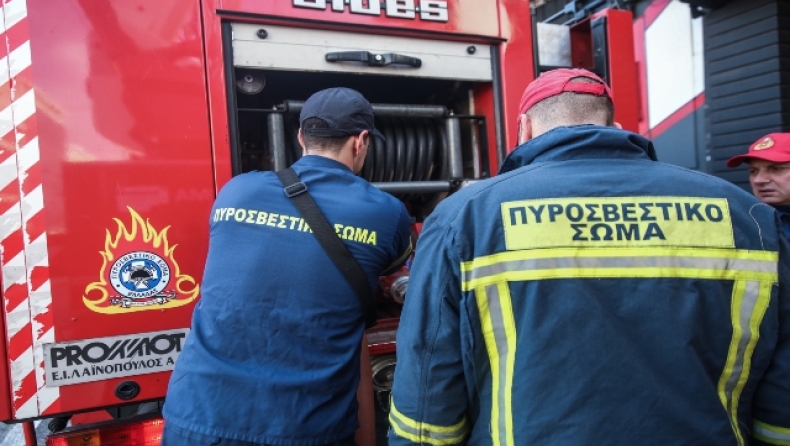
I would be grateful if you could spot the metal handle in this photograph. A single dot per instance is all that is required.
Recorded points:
(374, 60)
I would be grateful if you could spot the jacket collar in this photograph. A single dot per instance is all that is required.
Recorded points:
(580, 142)
(320, 162)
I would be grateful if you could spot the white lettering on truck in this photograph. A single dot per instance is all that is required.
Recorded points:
(429, 10)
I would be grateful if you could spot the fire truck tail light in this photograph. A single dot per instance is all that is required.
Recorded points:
(140, 432)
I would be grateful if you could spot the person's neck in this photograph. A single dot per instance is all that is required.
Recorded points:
(539, 129)
(342, 156)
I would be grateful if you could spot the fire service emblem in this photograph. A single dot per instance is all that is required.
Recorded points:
(139, 272)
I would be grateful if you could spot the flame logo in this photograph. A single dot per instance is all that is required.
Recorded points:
(141, 270)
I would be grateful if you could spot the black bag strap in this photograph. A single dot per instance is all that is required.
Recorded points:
(296, 190)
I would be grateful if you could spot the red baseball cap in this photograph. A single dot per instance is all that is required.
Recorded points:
(554, 82)
(774, 147)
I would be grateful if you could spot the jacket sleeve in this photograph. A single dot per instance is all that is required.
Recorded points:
(401, 243)
(429, 398)
(771, 406)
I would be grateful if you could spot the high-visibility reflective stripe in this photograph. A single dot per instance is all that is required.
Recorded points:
(754, 273)
(499, 332)
(425, 433)
(749, 303)
(538, 264)
(625, 252)
(771, 434)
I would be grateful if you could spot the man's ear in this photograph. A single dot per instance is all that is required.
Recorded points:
(359, 142)
(525, 129)
(301, 141)
(617, 125)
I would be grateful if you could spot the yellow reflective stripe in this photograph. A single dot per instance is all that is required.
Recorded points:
(771, 434)
(425, 433)
(715, 264)
(487, 328)
(499, 332)
(725, 396)
(509, 325)
(615, 273)
(619, 252)
(750, 301)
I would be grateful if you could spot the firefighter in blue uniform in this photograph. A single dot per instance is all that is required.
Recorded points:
(590, 295)
(274, 355)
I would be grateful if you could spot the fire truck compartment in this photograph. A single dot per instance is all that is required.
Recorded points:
(264, 46)
(422, 91)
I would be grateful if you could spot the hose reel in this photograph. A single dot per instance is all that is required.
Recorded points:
(421, 153)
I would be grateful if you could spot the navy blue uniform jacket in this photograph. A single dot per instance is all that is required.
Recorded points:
(590, 295)
(273, 355)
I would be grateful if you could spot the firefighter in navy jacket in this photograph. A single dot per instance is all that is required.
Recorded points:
(276, 348)
(590, 295)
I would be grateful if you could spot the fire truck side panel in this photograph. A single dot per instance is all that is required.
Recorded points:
(128, 182)
(217, 93)
(483, 97)
(5, 384)
(7, 152)
(517, 66)
(513, 68)
(131, 120)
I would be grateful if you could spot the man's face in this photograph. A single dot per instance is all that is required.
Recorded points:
(770, 181)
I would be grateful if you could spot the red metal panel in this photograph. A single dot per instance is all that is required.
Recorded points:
(5, 383)
(581, 45)
(478, 17)
(623, 74)
(84, 418)
(640, 58)
(125, 151)
(517, 62)
(26, 291)
(218, 101)
(484, 105)
(9, 194)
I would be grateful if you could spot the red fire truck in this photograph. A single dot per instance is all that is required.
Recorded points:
(121, 119)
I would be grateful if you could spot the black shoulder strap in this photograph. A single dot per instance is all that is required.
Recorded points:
(296, 190)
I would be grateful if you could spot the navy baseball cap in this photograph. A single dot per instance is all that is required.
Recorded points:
(345, 110)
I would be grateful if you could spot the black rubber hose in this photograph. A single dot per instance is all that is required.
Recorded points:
(371, 161)
(380, 162)
(389, 168)
(411, 149)
(292, 127)
(389, 142)
(367, 168)
(437, 155)
(440, 172)
(422, 149)
(430, 152)
(400, 145)
(397, 148)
